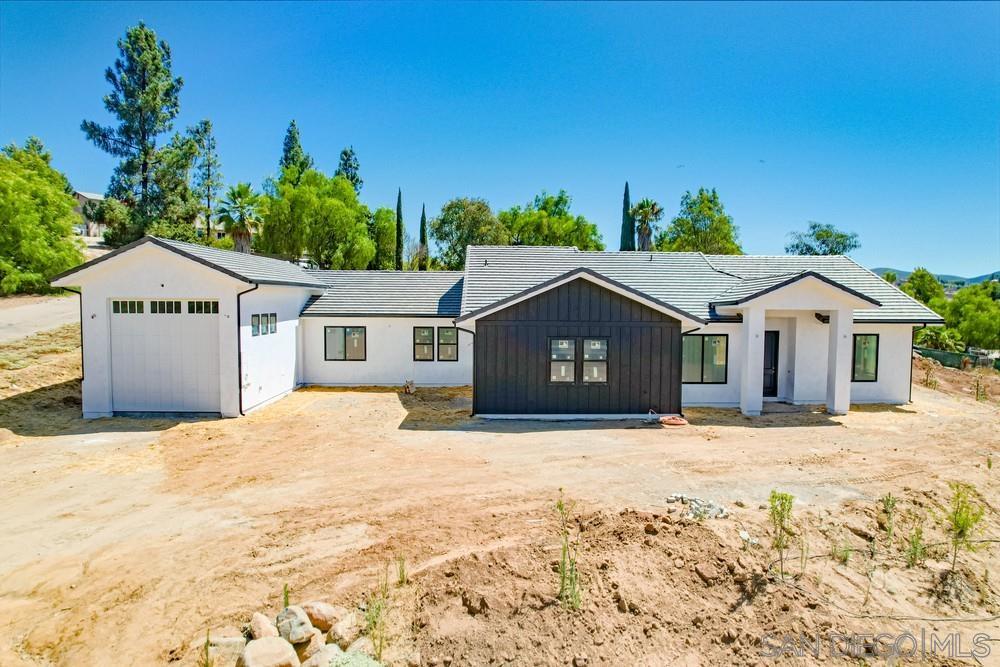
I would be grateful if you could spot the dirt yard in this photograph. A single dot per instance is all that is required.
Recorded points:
(125, 540)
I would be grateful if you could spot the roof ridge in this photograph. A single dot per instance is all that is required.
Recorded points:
(716, 269)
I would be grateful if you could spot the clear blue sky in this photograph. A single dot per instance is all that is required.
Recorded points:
(879, 118)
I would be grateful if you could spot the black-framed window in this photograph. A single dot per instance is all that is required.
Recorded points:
(272, 322)
(705, 359)
(344, 343)
(595, 360)
(423, 343)
(447, 343)
(255, 325)
(865, 367)
(127, 307)
(562, 360)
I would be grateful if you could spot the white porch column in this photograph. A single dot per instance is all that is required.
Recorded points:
(752, 371)
(838, 366)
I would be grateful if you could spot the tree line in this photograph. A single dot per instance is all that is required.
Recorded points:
(170, 183)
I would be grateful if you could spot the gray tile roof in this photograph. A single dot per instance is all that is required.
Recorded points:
(249, 267)
(895, 305)
(687, 281)
(389, 293)
(244, 266)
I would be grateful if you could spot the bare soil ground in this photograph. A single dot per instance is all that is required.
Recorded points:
(124, 539)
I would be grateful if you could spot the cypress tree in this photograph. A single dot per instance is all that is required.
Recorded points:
(424, 258)
(628, 223)
(399, 230)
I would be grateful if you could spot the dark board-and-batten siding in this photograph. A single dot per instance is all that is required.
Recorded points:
(512, 355)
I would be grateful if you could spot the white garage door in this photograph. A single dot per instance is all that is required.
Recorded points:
(165, 355)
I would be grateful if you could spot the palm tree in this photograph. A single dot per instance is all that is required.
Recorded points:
(238, 213)
(646, 214)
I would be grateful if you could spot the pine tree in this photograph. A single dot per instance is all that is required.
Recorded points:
(208, 172)
(423, 259)
(628, 223)
(144, 100)
(292, 154)
(399, 230)
(349, 168)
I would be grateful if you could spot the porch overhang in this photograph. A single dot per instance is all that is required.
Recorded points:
(808, 290)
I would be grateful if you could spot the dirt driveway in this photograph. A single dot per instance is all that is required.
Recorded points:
(123, 540)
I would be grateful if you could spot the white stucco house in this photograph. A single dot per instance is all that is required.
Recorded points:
(169, 326)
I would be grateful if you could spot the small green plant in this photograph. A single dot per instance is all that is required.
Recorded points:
(989, 461)
(842, 552)
(569, 578)
(916, 550)
(375, 625)
(284, 596)
(962, 519)
(205, 659)
(979, 388)
(889, 507)
(929, 380)
(402, 578)
(803, 553)
(383, 582)
(780, 512)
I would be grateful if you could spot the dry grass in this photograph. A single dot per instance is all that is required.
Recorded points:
(22, 353)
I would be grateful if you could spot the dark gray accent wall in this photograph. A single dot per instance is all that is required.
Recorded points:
(512, 355)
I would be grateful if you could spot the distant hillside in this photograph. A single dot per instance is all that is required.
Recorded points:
(943, 277)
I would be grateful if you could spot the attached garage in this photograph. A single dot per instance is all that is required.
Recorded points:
(164, 355)
(174, 327)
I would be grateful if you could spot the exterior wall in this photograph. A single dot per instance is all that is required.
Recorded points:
(269, 364)
(802, 363)
(150, 272)
(512, 355)
(389, 354)
(727, 394)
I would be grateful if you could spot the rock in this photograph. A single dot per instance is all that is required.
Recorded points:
(307, 649)
(261, 626)
(580, 661)
(293, 625)
(268, 652)
(678, 562)
(345, 631)
(651, 529)
(224, 645)
(478, 603)
(324, 656)
(362, 645)
(323, 615)
(740, 503)
(707, 572)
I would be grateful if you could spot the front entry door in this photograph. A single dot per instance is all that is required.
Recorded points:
(770, 363)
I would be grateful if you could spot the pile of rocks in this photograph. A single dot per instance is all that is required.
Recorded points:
(314, 634)
(698, 508)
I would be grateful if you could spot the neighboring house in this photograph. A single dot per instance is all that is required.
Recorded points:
(538, 331)
(88, 227)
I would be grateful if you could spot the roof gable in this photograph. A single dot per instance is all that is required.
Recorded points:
(754, 288)
(254, 269)
(584, 274)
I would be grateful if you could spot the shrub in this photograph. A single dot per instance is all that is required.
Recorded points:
(962, 519)
(916, 550)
